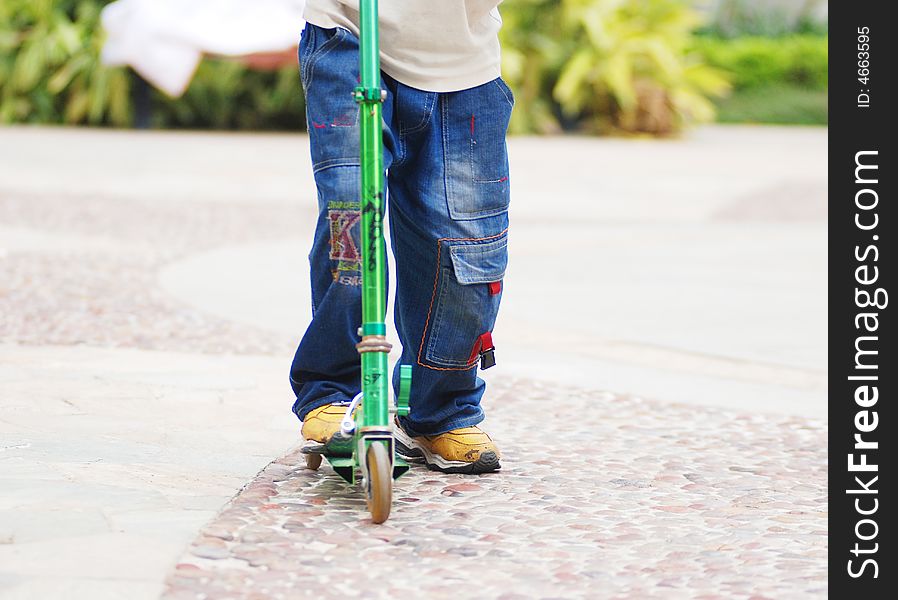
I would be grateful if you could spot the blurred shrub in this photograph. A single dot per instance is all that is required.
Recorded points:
(592, 65)
(752, 61)
(50, 70)
(532, 57)
(603, 65)
(776, 80)
(734, 18)
(776, 103)
(227, 95)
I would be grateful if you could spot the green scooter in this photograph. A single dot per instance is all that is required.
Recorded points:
(365, 442)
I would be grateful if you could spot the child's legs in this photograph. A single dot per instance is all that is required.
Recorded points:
(449, 196)
(326, 367)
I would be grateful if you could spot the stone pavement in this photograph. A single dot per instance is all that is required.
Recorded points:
(600, 495)
(111, 459)
(152, 290)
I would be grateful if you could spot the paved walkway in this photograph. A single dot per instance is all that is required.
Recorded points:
(152, 289)
(602, 492)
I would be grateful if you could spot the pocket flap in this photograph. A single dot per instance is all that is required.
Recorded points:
(480, 262)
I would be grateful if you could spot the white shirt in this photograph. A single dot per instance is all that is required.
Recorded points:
(432, 45)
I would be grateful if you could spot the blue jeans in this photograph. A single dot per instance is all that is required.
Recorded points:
(447, 196)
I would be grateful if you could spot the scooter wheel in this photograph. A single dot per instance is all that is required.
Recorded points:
(380, 482)
(313, 461)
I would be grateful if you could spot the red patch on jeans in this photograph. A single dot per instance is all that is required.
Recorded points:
(483, 343)
(495, 287)
(344, 120)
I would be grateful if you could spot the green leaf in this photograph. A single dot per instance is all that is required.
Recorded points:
(28, 68)
(573, 79)
(618, 75)
(61, 78)
(98, 95)
(77, 106)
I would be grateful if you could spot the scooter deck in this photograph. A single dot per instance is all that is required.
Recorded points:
(339, 445)
(338, 452)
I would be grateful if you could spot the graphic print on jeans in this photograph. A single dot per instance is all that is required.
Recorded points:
(344, 219)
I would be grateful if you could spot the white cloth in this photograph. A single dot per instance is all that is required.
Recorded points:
(164, 40)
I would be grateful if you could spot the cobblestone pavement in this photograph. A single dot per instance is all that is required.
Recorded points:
(600, 495)
(104, 273)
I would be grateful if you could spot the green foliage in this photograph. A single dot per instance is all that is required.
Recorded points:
(736, 18)
(801, 60)
(631, 57)
(776, 80)
(532, 57)
(50, 72)
(49, 65)
(227, 95)
(603, 65)
(775, 104)
(631, 66)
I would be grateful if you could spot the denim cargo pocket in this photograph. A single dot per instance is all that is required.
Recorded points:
(464, 307)
(476, 122)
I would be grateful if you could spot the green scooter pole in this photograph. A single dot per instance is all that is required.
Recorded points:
(374, 453)
(375, 379)
(369, 439)
(374, 439)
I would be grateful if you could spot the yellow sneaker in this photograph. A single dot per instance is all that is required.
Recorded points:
(322, 423)
(467, 450)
